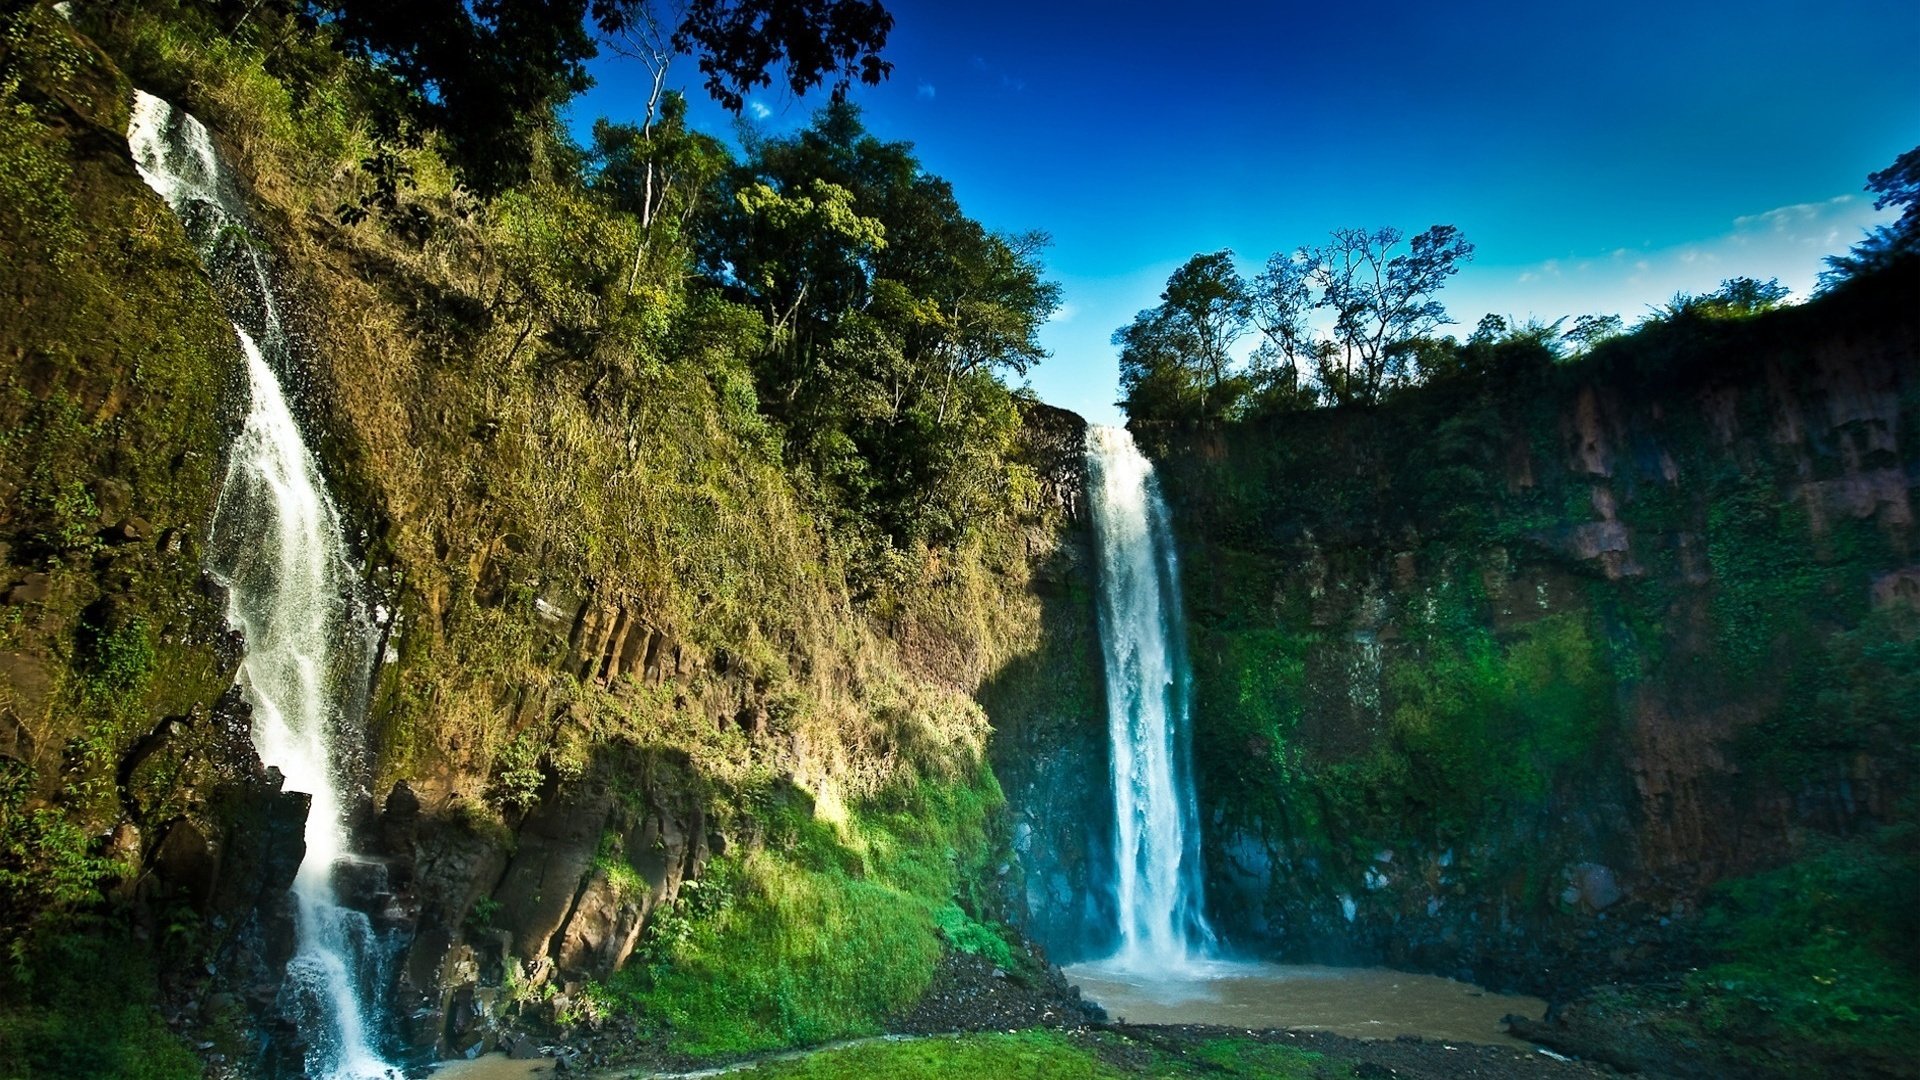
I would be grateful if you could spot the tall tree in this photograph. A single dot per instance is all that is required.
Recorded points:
(896, 318)
(486, 74)
(1176, 360)
(1379, 297)
(1897, 185)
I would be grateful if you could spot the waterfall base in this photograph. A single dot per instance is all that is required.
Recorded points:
(1361, 1003)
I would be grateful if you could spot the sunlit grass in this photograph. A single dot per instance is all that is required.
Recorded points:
(1047, 1055)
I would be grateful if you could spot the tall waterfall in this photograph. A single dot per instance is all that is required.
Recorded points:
(293, 594)
(1142, 633)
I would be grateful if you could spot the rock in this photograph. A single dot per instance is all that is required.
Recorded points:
(362, 884)
(1592, 885)
(128, 530)
(555, 853)
(33, 589)
(187, 863)
(399, 820)
(113, 496)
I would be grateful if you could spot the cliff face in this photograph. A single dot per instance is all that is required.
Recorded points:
(1504, 676)
(620, 649)
(1049, 745)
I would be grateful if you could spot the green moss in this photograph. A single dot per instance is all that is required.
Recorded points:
(83, 1005)
(1813, 966)
(824, 931)
(1027, 1055)
(1051, 1055)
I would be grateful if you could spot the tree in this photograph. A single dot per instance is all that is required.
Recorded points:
(658, 172)
(1738, 297)
(1896, 185)
(1590, 330)
(1379, 300)
(896, 317)
(487, 74)
(1176, 360)
(741, 42)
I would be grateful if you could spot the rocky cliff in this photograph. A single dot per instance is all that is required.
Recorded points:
(620, 650)
(1502, 678)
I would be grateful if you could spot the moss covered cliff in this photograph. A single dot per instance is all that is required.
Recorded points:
(1507, 675)
(652, 747)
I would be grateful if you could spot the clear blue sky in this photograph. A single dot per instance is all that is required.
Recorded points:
(1599, 156)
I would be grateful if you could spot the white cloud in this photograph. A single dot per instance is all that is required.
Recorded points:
(926, 90)
(1064, 314)
(1787, 242)
(759, 110)
(1797, 216)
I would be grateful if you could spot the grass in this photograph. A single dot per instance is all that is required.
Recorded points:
(1824, 951)
(1027, 1055)
(1048, 1055)
(822, 932)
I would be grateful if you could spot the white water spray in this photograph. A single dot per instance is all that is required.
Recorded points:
(1156, 843)
(292, 593)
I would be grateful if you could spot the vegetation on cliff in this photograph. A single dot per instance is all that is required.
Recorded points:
(649, 452)
(1503, 674)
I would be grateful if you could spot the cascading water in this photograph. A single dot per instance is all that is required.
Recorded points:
(278, 547)
(1157, 884)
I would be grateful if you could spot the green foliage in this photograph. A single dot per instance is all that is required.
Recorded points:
(965, 935)
(893, 316)
(1769, 587)
(1738, 298)
(823, 932)
(486, 80)
(117, 655)
(660, 172)
(48, 865)
(1897, 185)
(517, 776)
(612, 860)
(1475, 724)
(1478, 724)
(83, 1005)
(1176, 362)
(1842, 693)
(1052, 1055)
(1820, 952)
(1026, 1055)
(37, 56)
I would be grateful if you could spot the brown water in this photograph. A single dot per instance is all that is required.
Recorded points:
(1362, 1003)
(493, 1067)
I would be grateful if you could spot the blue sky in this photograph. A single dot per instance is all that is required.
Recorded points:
(1599, 156)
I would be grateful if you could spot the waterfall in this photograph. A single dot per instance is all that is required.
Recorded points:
(278, 547)
(1157, 886)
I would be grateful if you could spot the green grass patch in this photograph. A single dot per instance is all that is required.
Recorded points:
(823, 931)
(1026, 1055)
(1048, 1055)
(1243, 1057)
(1822, 952)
